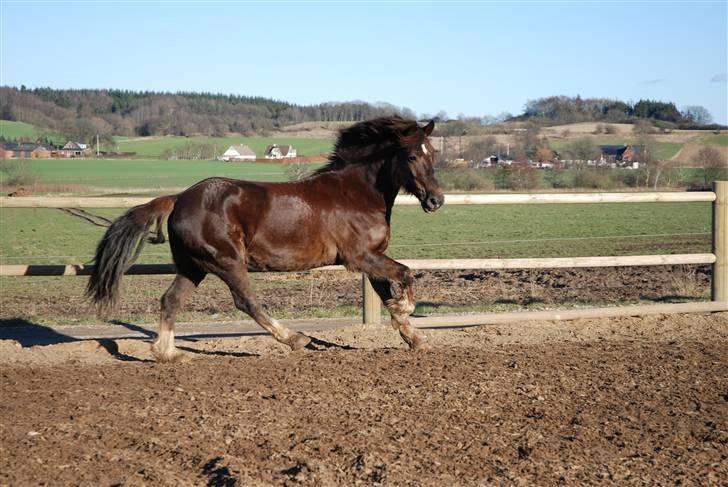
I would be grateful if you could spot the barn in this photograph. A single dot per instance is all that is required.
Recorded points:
(238, 153)
(25, 150)
(276, 151)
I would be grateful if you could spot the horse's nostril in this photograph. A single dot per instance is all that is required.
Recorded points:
(433, 202)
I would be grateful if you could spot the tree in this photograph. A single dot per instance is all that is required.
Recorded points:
(526, 141)
(712, 162)
(582, 150)
(481, 148)
(697, 114)
(544, 153)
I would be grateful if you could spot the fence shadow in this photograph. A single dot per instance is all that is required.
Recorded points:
(29, 334)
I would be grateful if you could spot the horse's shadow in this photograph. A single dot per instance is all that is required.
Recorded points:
(29, 334)
(319, 345)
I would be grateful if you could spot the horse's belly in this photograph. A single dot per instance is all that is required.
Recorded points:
(289, 257)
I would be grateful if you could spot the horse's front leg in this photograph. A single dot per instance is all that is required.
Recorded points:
(393, 282)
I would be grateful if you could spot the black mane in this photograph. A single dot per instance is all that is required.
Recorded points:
(373, 141)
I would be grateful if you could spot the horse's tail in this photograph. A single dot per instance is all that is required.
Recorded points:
(119, 248)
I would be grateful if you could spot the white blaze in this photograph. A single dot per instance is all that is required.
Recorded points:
(424, 149)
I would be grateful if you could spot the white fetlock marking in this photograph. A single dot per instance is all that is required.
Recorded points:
(165, 343)
(281, 333)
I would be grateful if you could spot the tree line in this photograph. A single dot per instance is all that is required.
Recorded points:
(565, 109)
(82, 114)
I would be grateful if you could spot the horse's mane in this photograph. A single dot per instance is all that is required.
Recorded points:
(372, 141)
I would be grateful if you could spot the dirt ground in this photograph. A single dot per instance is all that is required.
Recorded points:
(638, 400)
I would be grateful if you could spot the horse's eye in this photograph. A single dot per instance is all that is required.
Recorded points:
(412, 158)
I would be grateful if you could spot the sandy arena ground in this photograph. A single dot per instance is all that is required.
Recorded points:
(639, 400)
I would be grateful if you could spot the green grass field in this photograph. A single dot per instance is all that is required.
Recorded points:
(45, 236)
(663, 150)
(15, 130)
(150, 174)
(155, 146)
(714, 139)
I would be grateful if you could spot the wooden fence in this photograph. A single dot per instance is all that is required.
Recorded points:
(371, 303)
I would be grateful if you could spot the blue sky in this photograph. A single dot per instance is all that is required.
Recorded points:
(471, 58)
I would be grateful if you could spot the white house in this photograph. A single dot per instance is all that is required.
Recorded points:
(276, 151)
(238, 153)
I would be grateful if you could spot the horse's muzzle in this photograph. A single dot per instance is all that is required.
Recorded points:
(432, 201)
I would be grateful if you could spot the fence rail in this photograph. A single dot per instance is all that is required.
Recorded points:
(371, 303)
(404, 200)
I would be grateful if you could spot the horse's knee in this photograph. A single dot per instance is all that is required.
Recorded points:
(402, 306)
(408, 278)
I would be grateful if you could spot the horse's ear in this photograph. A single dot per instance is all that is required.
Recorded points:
(429, 128)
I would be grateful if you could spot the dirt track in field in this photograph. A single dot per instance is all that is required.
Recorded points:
(628, 400)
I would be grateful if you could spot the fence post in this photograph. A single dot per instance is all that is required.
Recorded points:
(720, 242)
(371, 305)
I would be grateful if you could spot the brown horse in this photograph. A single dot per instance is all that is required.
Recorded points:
(339, 215)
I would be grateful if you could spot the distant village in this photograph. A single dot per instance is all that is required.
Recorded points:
(611, 156)
(36, 150)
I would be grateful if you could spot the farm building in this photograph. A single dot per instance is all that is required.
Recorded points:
(276, 151)
(73, 149)
(238, 153)
(26, 150)
(621, 155)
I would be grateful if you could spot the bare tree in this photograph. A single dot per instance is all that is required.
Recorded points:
(712, 162)
(582, 150)
(697, 114)
(481, 148)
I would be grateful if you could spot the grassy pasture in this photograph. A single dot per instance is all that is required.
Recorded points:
(18, 130)
(713, 139)
(45, 236)
(151, 174)
(14, 130)
(663, 150)
(155, 146)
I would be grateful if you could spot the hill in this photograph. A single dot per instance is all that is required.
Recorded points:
(81, 114)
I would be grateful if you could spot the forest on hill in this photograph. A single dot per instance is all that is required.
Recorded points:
(81, 114)
(558, 110)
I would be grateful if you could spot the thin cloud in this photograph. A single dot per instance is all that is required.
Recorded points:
(653, 81)
(719, 78)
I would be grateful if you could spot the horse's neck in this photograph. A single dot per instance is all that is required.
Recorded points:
(375, 180)
(381, 179)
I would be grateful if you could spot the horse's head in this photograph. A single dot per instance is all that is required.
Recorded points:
(416, 171)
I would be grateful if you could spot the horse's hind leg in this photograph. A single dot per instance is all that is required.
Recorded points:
(245, 301)
(163, 349)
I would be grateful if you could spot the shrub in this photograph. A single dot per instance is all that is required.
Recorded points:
(17, 173)
(594, 179)
(465, 180)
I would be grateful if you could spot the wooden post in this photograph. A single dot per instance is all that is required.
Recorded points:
(371, 305)
(720, 242)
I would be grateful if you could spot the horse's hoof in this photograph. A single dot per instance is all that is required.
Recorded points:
(418, 343)
(298, 341)
(173, 356)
